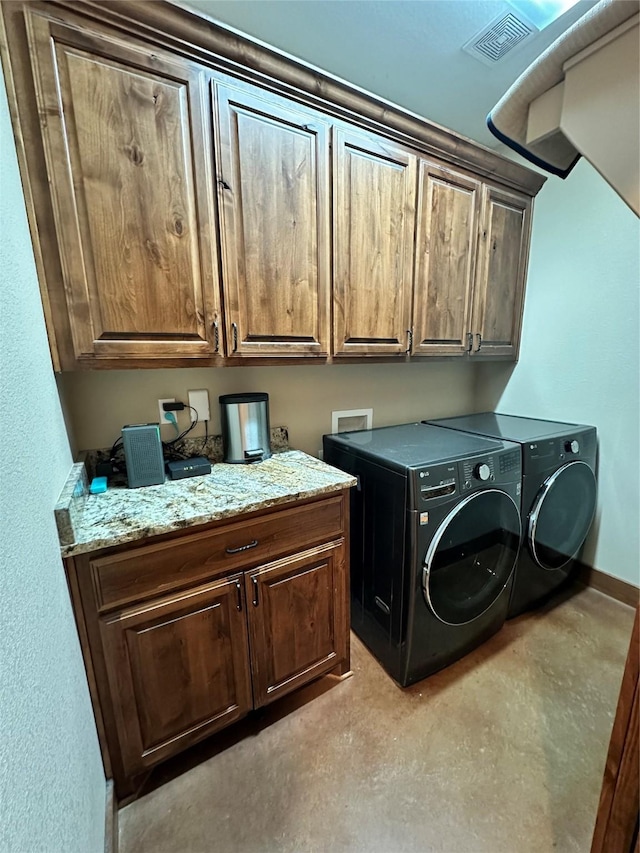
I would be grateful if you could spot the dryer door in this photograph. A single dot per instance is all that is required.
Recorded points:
(471, 556)
(561, 515)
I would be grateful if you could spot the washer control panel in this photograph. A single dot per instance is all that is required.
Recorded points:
(493, 470)
(433, 485)
(476, 471)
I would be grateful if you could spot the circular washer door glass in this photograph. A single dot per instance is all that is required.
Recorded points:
(562, 514)
(471, 556)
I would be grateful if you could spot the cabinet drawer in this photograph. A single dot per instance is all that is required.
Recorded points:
(151, 570)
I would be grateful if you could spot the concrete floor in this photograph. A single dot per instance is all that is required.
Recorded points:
(503, 751)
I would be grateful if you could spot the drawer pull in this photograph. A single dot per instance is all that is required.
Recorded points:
(255, 592)
(239, 594)
(242, 547)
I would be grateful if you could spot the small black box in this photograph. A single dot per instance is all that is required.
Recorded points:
(188, 468)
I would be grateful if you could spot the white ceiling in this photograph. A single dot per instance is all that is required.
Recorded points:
(408, 51)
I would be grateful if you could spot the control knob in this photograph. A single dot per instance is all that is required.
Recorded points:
(482, 471)
(572, 446)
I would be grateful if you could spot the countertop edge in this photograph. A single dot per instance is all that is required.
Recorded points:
(137, 534)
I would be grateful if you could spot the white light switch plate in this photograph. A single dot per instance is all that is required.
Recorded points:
(200, 402)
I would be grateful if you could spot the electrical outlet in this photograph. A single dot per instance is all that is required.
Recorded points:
(163, 415)
(199, 400)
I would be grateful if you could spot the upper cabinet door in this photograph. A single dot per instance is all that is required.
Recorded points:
(127, 151)
(503, 250)
(374, 219)
(448, 210)
(273, 190)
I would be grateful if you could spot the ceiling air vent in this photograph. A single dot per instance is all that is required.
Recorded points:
(499, 38)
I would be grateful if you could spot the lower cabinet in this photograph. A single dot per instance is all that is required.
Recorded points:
(297, 621)
(174, 655)
(178, 669)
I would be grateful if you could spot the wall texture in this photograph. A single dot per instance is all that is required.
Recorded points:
(52, 787)
(301, 397)
(580, 355)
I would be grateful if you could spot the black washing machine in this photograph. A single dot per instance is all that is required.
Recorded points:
(558, 496)
(435, 534)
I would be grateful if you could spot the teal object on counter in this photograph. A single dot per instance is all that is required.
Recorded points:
(98, 485)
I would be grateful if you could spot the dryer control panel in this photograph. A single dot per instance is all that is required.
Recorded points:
(547, 454)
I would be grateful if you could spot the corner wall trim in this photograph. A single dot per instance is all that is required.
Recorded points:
(110, 819)
(622, 591)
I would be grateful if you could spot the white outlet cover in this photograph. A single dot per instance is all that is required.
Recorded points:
(351, 419)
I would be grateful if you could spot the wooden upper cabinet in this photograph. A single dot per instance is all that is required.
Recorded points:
(503, 250)
(178, 670)
(448, 211)
(273, 190)
(127, 151)
(374, 220)
(334, 240)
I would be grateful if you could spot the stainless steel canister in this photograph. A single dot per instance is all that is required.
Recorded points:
(245, 427)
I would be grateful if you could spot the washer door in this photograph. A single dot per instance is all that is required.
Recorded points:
(471, 556)
(562, 514)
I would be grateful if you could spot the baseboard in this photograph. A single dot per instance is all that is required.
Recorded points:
(616, 588)
(110, 820)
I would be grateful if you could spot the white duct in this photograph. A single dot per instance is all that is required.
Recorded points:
(582, 97)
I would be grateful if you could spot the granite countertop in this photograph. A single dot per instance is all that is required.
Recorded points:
(88, 522)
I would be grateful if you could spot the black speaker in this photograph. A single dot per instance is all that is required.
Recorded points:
(143, 455)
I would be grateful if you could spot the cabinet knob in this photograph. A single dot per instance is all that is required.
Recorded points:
(479, 337)
(255, 591)
(239, 594)
(216, 336)
(409, 341)
(234, 331)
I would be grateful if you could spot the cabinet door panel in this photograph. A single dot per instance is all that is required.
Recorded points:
(296, 620)
(447, 227)
(274, 192)
(374, 217)
(178, 670)
(127, 149)
(502, 268)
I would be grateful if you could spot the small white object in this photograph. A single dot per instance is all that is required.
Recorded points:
(199, 400)
(351, 419)
(162, 414)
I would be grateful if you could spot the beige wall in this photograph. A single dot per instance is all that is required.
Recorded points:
(302, 398)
